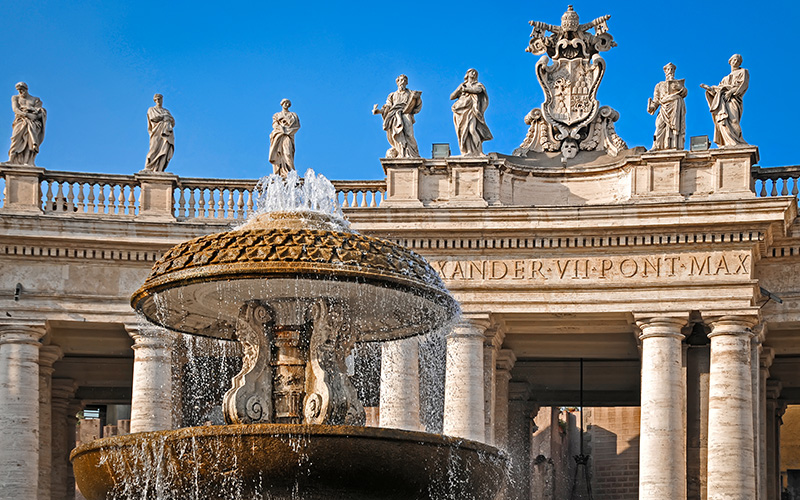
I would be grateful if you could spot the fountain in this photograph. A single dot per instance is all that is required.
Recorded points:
(297, 288)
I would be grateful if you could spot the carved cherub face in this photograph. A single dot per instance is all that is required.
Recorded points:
(569, 149)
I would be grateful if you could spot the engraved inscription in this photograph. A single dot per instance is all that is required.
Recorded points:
(613, 268)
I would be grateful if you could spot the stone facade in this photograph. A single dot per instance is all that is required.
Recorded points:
(675, 266)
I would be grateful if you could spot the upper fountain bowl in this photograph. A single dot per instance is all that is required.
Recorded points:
(198, 286)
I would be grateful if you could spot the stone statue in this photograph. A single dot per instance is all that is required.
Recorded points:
(725, 103)
(281, 141)
(671, 119)
(398, 119)
(28, 127)
(160, 124)
(471, 103)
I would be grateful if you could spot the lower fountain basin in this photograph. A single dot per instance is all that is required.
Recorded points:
(279, 461)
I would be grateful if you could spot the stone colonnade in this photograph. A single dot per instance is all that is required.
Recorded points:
(37, 423)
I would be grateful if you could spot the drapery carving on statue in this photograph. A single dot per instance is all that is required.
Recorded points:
(540, 135)
(602, 135)
(331, 397)
(249, 400)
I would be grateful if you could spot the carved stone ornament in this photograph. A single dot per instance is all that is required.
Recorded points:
(249, 400)
(570, 71)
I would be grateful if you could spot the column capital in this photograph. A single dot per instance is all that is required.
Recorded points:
(661, 325)
(48, 355)
(766, 357)
(774, 388)
(731, 325)
(494, 336)
(506, 360)
(22, 332)
(63, 389)
(149, 335)
(519, 391)
(469, 327)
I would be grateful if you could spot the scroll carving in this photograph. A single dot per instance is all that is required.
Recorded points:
(249, 400)
(330, 396)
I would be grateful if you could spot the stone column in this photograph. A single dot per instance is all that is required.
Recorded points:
(662, 452)
(731, 474)
(47, 356)
(521, 412)
(765, 361)
(19, 409)
(72, 426)
(773, 441)
(492, 343)
(151, 401)
(505, 362)
(463, 384)
(755, 379)
(63, 389)
(399, 397)
(697, 359)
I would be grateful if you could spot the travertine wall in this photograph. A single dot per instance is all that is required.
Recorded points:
(614, 437)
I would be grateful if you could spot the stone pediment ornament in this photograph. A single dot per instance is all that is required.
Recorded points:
(570, 71)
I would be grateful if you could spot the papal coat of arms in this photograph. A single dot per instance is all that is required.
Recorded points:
(570, 71)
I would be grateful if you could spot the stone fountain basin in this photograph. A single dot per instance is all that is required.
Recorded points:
(279, 461)
(378, 311)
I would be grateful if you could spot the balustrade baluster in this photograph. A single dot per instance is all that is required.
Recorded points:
(48, 198)
(91, 206)
(785, 190)
(774, 187)
(191, 209)
(181, 203)
(221, 205)
(363, 198)
(240, 203)
(212, 203)
(59, 204)
(132, 201)
(81, 186)
(122, 198)
(231, 214)
(201, 203)
(70, 207)
(794, 186)
(345, 200)
(250, 202)
(372, 199)
(112, 199)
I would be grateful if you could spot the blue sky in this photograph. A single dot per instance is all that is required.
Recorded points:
(224, 67)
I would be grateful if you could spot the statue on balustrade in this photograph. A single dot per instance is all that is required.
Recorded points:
(471, 103)
(725, 103)
(160, 125)
(285, 125)
(671, 119)
(28, 127)
(398, 119)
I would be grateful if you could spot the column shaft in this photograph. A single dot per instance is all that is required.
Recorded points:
(399, 396)
(662, 452)
(62, 391)
(151, 405)
(731, 474)
(463, 386)
(697, 421)
(755, 378)
(489, 386)
(47, 356)
(505, 362)
(19, 410)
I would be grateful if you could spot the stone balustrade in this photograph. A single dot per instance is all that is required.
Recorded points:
(776, 181)
(36, 190)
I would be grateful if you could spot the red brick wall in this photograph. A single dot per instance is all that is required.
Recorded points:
(614, 448)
